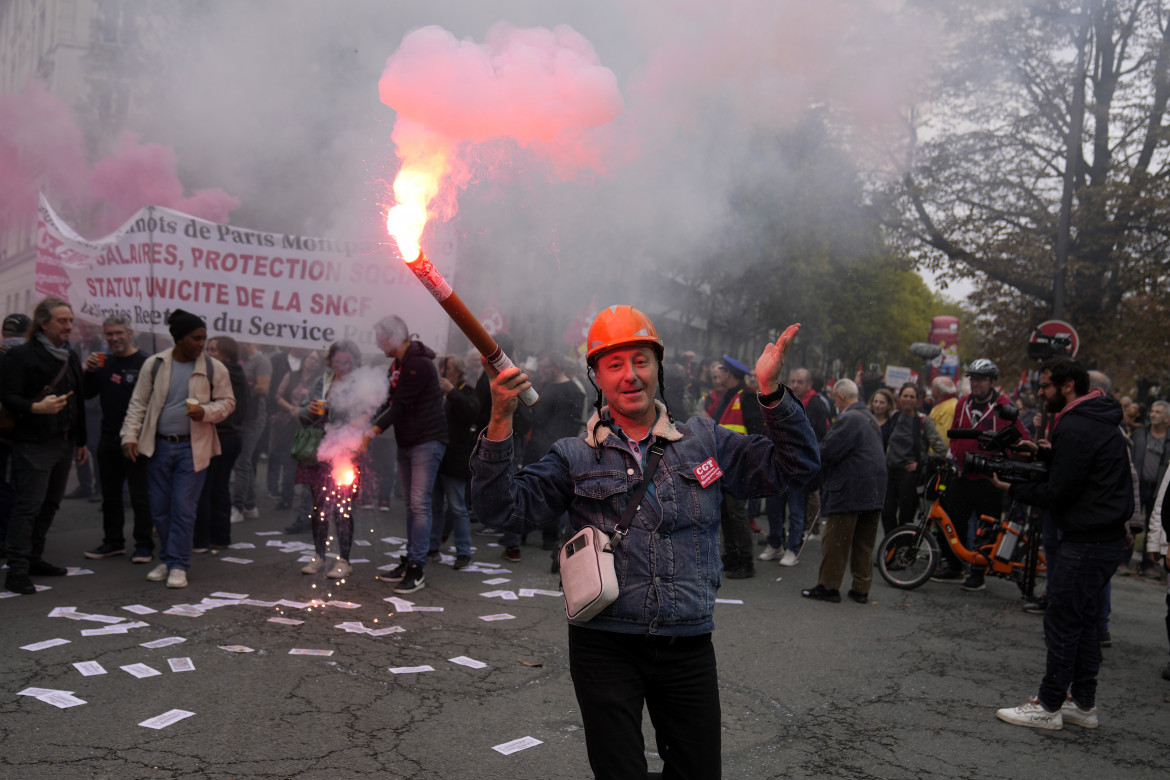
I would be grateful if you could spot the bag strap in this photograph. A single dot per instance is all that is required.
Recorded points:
(656, 451)
(64, 367)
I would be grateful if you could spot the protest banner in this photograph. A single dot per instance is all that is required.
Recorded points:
(266, 288)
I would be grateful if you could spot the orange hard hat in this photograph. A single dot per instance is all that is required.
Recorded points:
(618, 326)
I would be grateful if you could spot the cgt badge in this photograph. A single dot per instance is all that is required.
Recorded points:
(707, 472)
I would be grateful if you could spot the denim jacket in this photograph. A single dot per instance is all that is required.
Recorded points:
(668, 566)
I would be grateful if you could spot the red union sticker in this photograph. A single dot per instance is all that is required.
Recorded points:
(708, 471)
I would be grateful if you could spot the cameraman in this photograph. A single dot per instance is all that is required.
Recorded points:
(1090, 494)
(974, 493)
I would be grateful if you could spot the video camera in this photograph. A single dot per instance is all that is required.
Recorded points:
(990, 459)
(1042, 346)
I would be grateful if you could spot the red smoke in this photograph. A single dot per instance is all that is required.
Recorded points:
(529, 85)
(42, 148)
(543, 90)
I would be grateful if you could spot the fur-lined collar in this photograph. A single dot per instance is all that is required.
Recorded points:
(662, 426)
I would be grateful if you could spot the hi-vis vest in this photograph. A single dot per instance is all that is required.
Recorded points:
(732, 418)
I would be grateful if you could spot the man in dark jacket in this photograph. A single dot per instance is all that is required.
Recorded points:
(1090, 494)
(112, 376)
(14, 332)
(854, 467)
(41, 385)
(415, 409)
(736, 410)
(557, 416)
(799, 498)
(462, 409)
(521, 426)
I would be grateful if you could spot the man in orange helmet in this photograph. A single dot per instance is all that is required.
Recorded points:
(652, 645)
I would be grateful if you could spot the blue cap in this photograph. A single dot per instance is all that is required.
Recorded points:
(735, 367)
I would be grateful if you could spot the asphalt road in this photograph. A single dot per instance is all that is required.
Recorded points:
(903, 687)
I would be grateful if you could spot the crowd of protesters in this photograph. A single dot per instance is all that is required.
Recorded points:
(182, 434)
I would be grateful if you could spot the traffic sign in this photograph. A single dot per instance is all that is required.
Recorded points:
(1057, 332)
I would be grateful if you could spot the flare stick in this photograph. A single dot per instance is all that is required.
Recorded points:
(467, 322)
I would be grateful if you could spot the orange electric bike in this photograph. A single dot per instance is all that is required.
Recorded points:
(1010, 548)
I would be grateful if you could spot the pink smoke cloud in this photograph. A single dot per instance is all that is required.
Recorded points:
(138, 175)
(529, 85)
(42, 148)
(543, 90)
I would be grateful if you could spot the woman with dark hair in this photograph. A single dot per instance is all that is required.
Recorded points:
(340, 361)
(881, 404)
(213, 523)
(912, 437)
(291, 396)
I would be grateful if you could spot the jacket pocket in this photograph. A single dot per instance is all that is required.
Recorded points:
(600, 485)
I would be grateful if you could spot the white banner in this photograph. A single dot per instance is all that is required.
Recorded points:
(265, 288)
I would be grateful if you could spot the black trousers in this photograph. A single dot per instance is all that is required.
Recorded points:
(213, 516)
(116, 469)
(901, 499)
(614, 675)
(964, 497)
(737, 535)
(39, 472)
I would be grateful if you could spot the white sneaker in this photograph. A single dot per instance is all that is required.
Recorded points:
(769, 553)
(340, 570)
(251, 514)
(237, 516)
(158, 573)
(313, 566)
(789, 558)
(1032, 715)
(177, 579)
(1071, 713)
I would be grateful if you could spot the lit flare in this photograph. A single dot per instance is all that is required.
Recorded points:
(415, 189)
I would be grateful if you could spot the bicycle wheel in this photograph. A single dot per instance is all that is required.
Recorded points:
(907, 556)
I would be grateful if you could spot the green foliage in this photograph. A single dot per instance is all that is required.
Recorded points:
(808, 251)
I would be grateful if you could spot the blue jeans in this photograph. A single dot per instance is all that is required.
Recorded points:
(796, 504)
(174, 495)
(417, 469)
(1071, 621)
(774, 510)
(453, 492)
(244, 486)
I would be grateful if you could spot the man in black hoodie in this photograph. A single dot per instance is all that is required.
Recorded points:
(415, 409)
(1089, 492)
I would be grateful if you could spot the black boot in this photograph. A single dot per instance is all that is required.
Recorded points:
(20, 583)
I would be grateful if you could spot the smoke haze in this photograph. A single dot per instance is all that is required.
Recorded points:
(274, 114)
(353, 399)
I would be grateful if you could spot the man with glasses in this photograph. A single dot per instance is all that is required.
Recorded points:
(112, 376)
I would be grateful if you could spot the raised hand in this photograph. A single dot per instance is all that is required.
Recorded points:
(771, 361)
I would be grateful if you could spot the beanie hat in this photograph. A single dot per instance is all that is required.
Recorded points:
(183, 322)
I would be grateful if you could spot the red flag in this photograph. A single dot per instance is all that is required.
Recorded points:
(578, 329)
(492, 319)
